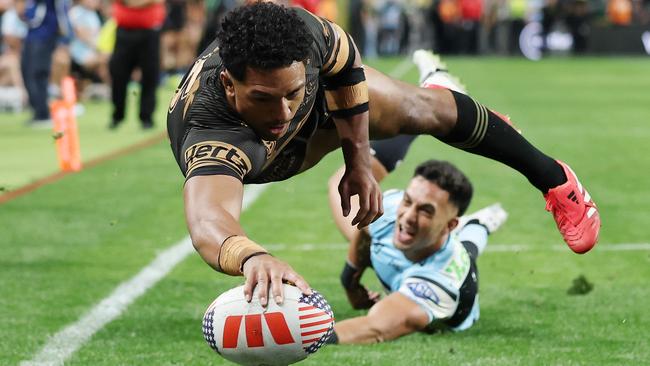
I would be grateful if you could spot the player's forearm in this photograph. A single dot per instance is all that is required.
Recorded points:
(353, 133)
(357, 261)
(370, 329)
(357, 330)
(212, 208)
(347, 99)
(209, 233)
(393, 317)
(359, 249)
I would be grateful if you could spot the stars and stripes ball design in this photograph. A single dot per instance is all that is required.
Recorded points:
(248, 334)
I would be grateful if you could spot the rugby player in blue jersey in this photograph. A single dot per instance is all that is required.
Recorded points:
(425, 261)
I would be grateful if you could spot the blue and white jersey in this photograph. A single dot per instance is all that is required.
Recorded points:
(444, 284)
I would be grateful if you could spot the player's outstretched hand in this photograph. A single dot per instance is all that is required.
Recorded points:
(361, 182)
(264, 271)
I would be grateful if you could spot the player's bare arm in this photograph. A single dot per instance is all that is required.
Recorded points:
(346, 92)
(358, 178)
(392, 317)
(358, 260)
(212, 209)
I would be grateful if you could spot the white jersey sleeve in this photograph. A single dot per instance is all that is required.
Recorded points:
(433, 299)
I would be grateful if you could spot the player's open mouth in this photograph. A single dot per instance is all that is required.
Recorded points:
(404, 235)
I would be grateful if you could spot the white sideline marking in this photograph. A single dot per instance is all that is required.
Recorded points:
(618, 247)
(67, 341)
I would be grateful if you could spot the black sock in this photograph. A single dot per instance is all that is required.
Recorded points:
(482, 132)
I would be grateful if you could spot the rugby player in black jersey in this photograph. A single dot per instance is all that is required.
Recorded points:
(280, 88)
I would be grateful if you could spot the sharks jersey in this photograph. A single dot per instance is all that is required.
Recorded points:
(444, 284)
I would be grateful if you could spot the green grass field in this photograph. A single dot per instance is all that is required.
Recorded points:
(68, 245)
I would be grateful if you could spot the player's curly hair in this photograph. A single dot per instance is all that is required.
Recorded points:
(449, 178)
(262, 35)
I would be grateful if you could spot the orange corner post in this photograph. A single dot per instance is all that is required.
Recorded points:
(65, 127)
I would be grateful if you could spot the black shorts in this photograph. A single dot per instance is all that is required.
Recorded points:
(390, 152)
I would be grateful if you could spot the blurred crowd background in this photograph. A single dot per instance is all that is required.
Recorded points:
(106, 45)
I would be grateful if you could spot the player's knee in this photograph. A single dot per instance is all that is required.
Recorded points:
(444, 115)
(431, 112)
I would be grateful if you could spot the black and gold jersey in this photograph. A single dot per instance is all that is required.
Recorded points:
(208, 137)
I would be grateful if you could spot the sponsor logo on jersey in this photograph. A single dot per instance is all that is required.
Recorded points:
(210, 153)
(424, 291)
(458, 266)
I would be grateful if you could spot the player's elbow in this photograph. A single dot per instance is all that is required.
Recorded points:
(200, 241)
(387, 329)
(198, 233)
(388, 332)
(377, 334)
(205, 244)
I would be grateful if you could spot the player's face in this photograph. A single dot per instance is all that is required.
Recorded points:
(424, 218)
(267, 100)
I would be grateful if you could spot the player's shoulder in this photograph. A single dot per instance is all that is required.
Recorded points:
(319, 28)
(307, 17)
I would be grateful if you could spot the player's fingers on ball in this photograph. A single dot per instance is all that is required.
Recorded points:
(276, 287)
(298, 281)
(263, 287)
(249, 286)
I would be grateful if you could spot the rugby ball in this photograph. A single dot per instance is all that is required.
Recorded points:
(248, 334)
